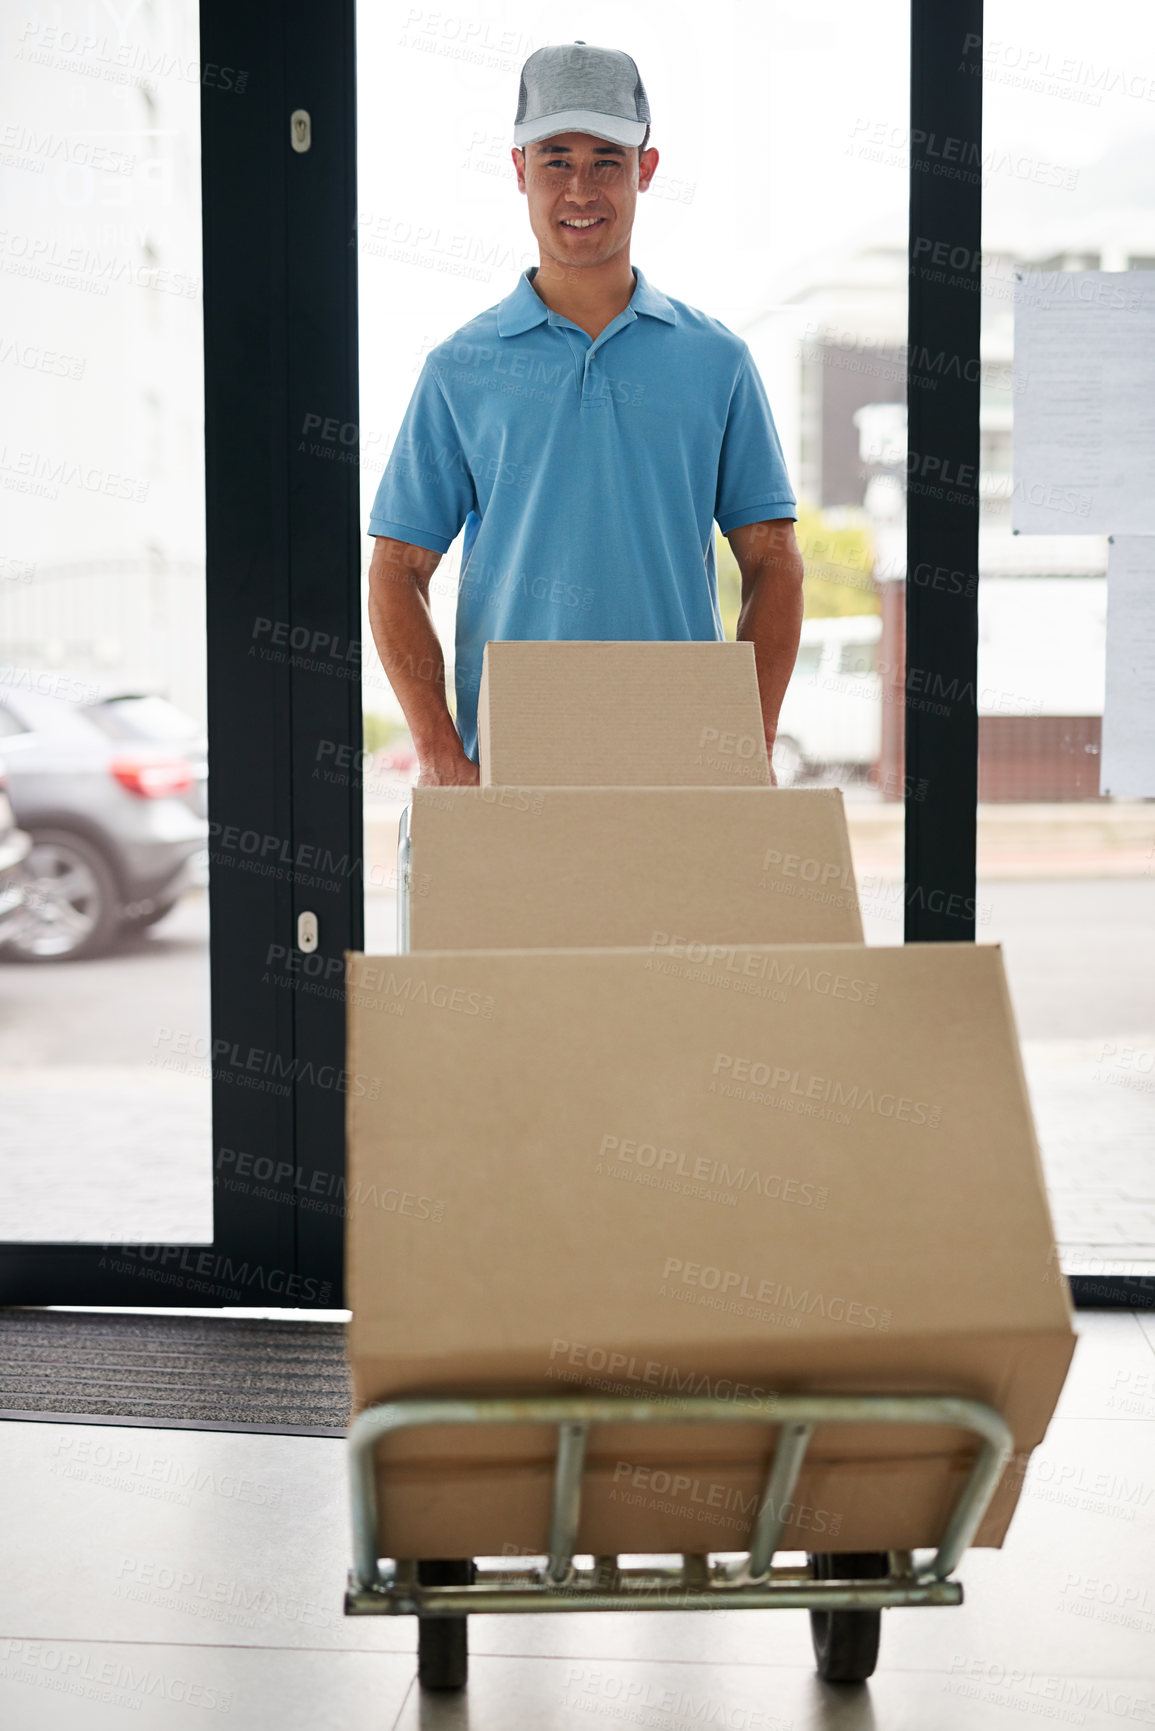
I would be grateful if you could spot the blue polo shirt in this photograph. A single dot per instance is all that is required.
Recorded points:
(588, 473)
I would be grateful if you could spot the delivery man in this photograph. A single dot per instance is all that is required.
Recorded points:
(587, 430)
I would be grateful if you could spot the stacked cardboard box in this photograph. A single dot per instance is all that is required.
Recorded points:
(746, 1155)
(620, 715)
(530, 867)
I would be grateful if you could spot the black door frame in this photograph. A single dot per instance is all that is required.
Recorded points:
(284, 611)
(283, 598)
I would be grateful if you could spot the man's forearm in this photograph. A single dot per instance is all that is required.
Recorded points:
(771, 615)
(411, 655)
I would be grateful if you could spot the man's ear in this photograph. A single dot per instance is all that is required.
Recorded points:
(518, 156)
(647, 166)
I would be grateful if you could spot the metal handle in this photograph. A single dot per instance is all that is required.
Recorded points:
(403, 850)
(796, 1417)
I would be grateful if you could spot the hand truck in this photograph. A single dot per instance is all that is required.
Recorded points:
(845, 1592)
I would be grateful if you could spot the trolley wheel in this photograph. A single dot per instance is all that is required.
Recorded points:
(443, 1642)
(846, 1642)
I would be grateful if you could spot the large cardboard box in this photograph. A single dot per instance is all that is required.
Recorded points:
(686, 868)
(620, 715)
(791, 1168)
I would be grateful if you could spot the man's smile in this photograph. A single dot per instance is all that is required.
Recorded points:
(582, 222)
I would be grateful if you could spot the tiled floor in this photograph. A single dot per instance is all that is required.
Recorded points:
(176, 1578)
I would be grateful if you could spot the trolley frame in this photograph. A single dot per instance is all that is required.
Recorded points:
(752, 1583)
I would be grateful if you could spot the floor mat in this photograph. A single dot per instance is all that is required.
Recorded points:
(174, 1372)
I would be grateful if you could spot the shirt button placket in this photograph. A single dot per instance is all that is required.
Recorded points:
(591, 397)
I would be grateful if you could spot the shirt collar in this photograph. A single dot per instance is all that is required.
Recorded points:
(524, 308)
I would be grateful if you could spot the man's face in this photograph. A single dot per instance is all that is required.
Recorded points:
(582, 193)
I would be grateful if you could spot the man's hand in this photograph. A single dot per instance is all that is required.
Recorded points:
(771, 617)
(448, 769)
(401, 621)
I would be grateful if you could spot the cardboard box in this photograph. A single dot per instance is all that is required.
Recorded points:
(688, 868)
(796, 1167)
(620, 715)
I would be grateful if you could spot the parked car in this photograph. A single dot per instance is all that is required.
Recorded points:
(112, 791)
(831, 717)
(15, 846)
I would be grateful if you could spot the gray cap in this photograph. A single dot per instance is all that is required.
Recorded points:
(575, 88)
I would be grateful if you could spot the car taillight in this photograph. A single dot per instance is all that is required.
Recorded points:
(153, 777)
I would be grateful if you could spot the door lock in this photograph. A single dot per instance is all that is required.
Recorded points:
(300, 129)
(307, 933)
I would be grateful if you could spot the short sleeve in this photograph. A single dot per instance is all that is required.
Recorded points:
(426, 491)
(753, 485)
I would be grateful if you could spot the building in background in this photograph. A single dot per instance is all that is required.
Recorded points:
(1042, 607)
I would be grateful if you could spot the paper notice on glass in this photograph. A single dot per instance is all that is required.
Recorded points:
(1084, 403)
(1127, 763)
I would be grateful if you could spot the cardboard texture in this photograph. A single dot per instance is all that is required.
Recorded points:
(686, 868)
(788, 1168)
(620, 715)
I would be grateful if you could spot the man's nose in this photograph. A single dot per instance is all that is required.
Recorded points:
(582, 188)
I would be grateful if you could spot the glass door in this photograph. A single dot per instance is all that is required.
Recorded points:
(1066, 868)
(181, 300)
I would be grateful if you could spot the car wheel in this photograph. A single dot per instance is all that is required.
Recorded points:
(71, 902)
(141, 922)
(787, 761)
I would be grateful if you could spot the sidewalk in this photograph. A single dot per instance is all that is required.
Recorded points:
(1115, 838)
